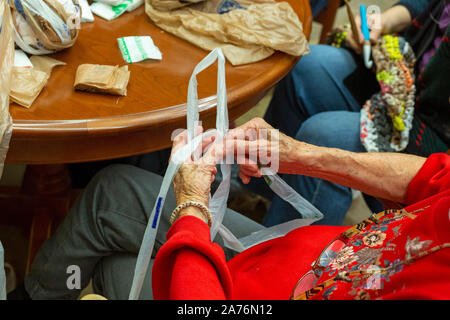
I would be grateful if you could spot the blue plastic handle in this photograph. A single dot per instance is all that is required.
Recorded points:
(364, 25)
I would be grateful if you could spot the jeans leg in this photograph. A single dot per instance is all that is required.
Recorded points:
(109, 217)
(338, 129)
(327, 79)
(107, 224)
(113, 277)
(317, 6)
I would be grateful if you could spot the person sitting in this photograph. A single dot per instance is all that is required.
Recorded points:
(379, 258)
(320, 100)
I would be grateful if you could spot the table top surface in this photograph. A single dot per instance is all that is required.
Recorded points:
(156, 92)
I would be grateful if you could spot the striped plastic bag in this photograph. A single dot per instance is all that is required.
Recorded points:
(44, 27)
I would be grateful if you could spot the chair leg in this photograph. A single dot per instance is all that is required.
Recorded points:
(49, 187)
(327, 17)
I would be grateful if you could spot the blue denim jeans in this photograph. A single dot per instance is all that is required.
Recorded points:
(318, 102)
(317, 6)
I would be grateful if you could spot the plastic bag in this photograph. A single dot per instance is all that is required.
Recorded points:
(308, 212)
(6, 64)
(43, 27)
(218, 202)
(27, 83)
(2, 274)
(246, 31)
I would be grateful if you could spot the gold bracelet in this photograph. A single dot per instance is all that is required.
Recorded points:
(204, 210)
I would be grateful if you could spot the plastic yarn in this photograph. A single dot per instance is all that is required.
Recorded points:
(386, 118)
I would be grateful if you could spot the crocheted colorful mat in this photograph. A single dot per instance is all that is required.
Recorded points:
(386, 118)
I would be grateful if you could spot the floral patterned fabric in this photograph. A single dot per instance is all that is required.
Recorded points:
(363, 268)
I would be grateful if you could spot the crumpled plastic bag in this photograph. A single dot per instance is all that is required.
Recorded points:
(246, 31)
(27, 83)
(6, 63)
(102, 79)
(45, 26)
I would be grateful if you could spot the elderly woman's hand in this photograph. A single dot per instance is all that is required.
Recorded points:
(256, 143)
(393, 20)
(192, 183)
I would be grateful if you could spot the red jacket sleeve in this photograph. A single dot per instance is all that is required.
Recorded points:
(189, 266)
(432, 178)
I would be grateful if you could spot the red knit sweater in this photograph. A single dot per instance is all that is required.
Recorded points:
(190, 266)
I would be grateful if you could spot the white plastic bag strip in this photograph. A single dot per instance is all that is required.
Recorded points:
(177, 159)
(2, 274)
(309, 213)
(86, 13)
(148, 240)
(277, 231)
(21, 59)
(218, 202)
(285, 192)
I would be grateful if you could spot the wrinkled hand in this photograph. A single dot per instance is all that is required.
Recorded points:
(261, 146)
(376, 25)
(193, 179)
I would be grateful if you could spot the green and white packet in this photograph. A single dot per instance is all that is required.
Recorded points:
(134, 5)
(111, 2)
(109, 12)
(136, 49)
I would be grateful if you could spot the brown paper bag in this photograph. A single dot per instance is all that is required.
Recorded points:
(245, 36)
(6, 63)
(27, 83)
(102, 79)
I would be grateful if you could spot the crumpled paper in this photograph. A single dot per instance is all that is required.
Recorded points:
(102, 79)
(27, 83)
(6, 63)
(246, 31)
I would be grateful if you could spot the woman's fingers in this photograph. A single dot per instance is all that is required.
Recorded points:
(251, 127)
(374, 35)
(245, 179)
(375, 25)
(198, 151)
(251, 171)
(179, 141)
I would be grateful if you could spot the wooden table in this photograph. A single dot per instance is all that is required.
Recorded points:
(66, 126)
